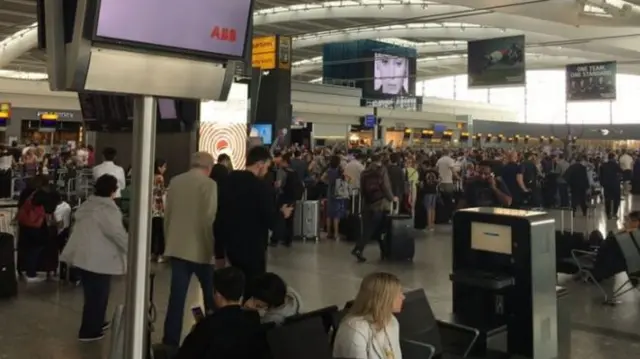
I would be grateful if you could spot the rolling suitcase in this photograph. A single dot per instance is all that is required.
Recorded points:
(8, 280)
(399, 241)
(419, 214)
(352, 225)
(306, 219)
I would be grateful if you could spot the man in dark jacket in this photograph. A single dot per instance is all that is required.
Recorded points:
(219, 173)
(292, 190)
(578, 182)
(231, 331)
(248, 210)
(377, 194)
(610, 175)
(398, 179)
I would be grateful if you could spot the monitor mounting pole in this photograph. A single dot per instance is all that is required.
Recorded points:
(137, 294)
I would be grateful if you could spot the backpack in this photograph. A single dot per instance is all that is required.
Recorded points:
(31, 215)
(372, 185)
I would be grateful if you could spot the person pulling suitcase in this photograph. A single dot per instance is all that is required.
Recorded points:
(375, 187)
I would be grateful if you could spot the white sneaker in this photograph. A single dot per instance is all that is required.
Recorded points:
(34, 279)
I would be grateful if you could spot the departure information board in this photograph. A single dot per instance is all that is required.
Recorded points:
(216, 28)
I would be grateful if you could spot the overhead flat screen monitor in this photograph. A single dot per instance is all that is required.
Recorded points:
(49, 120)
(369, 121)
(215, 28)
(264, 131)
(491, 237)
(167, 109)
(391, 74)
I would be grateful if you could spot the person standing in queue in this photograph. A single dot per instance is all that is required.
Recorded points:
(486, 190)
(291, 191)
(190, 211)
(109, 167)
(610, 174)
(219, 173)
(247, 212)
(377, 195)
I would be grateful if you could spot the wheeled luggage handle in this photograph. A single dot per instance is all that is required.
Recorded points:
(395, 207)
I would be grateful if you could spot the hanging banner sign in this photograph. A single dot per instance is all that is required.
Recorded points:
(591, 82)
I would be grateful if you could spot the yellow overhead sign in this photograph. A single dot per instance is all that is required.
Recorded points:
(264, 61)
(264, 45)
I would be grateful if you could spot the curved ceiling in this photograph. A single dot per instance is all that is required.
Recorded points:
(557, 32)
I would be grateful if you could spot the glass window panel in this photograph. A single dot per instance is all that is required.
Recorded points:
(441, 88)
(545, 97)
(511, 98)
(625, 108)
(589, 112)
(464, 93)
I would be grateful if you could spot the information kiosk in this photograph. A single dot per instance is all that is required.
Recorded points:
(504, 273)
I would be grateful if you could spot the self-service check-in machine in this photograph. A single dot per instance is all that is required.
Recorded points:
(504, 274)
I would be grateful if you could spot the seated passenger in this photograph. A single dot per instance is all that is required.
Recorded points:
(231, 331)
(370, 330)
(632, 221)
(270, 295)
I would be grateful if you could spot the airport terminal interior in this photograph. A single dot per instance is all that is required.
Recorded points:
(556, 78)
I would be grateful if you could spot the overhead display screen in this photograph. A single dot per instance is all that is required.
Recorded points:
(205, 27)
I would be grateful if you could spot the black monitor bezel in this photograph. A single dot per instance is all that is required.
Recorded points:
(93, 19)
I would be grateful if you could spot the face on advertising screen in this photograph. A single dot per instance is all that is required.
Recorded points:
(391, 74)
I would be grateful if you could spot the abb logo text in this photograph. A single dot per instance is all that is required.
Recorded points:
(223, 34)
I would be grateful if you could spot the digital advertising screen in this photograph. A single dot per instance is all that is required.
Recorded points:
(496, 62)
(591, 82)
(391, 74)
(216, 28)
(49, 120)
(264, 131)
(223, 126)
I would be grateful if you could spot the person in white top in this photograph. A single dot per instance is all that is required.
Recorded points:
(353, 170)
(446, 168)
(370, 330)
(109, 167)
(626, 164)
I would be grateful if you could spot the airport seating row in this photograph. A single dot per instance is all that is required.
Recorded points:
(422, 336)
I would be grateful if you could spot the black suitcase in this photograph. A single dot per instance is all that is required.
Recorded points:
(351, 226)
(8, 280)
(399, 241)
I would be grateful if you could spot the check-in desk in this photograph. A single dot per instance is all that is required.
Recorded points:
(504, 278)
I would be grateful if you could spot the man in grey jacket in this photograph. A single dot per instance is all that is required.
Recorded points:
(190, 210)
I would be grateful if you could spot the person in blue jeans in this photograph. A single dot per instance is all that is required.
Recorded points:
(190, 211)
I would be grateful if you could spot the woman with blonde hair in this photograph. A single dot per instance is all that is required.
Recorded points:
(370, 330)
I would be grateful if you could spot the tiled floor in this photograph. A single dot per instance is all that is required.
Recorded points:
(42, 323)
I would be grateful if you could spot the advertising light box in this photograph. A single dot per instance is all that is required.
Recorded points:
(216, 28)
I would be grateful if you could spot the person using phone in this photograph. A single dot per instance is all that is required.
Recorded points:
(231, 331)
(486, 190)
